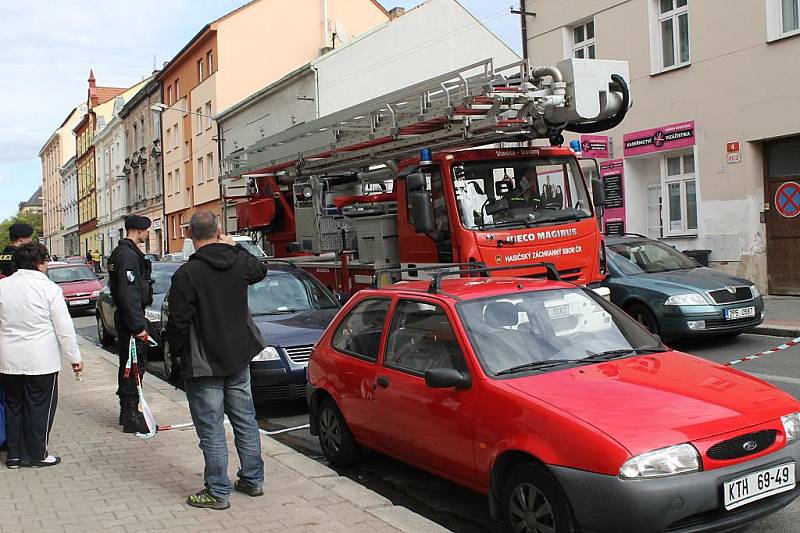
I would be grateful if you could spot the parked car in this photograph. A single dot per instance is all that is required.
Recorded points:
(81, 286)
(242, 240)
(173, 258)
(104, 313)
(674, 296)
(291, 310)
(75, 260)
(153, 258)
(555, 403)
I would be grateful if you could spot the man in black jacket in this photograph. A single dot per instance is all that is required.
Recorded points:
(131, 289)
(211, 333)
(19, 234)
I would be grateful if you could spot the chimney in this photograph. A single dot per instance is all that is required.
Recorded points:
(396, 12)
(93, 98)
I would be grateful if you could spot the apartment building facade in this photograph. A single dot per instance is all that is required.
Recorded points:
(112, 191)
(706, 160)
(69, 207)
(100, 105)
(57, 150)
(229, 59)
(143, 161)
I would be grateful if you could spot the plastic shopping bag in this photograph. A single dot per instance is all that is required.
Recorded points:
(133, 366)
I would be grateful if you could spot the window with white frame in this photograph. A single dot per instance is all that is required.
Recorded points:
(199, 116)
(178, 183)
(583, 45)
(199, 170)
(170, 185)
(210, 166)
(169, 139)
(679, 191)
(670, 34)
(176, 135)
(208, 115)
(783, 19)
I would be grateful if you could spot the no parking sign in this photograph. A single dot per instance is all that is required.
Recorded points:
(787, 199)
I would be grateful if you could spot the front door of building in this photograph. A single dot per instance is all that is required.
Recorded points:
(782, 194)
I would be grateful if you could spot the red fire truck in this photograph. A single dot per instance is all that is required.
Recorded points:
(442, 172)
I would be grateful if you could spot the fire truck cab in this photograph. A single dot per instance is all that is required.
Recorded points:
(440, 173)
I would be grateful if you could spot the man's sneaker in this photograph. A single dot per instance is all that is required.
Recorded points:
(205, 500)
(12, 463)
(50, 460)
(247, 488)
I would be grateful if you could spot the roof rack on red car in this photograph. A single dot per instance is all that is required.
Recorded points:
(459, 267)
(436, 283)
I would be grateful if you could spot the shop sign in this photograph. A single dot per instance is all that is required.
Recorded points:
(157, 224)
(595, 146)
(659, 139)
(612, 174)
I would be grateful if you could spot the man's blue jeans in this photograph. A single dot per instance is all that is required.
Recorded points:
(209, 399)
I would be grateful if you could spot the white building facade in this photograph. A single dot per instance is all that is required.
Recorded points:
(112, 189)
(710, 151)
(69, 207)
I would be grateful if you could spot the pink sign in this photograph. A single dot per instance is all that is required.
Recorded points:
(664, 138)
(594, 146)
(612, 174)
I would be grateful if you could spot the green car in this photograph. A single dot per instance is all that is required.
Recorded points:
(674, 296)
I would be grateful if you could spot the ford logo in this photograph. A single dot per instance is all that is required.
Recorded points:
(750, 445)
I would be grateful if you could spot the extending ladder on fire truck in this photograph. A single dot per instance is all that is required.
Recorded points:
(473, 106)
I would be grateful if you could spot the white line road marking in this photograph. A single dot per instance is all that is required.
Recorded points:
(782, 379)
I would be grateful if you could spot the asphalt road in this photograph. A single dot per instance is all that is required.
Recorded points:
(461, 510)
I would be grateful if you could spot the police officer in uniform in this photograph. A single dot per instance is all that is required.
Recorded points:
(131, 289)
(19, 234)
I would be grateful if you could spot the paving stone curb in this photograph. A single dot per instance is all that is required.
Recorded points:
(363, 498)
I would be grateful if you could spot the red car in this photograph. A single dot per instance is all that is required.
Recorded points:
(553, 402)
(80, 285)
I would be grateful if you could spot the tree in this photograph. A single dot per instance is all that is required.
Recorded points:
(34, 219)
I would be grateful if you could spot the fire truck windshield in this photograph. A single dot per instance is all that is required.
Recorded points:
(512, 193)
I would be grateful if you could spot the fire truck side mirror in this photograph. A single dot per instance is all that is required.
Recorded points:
(421, 204)
(598, 193)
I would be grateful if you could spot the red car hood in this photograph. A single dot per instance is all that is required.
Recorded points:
(654, 401)
(80, 287)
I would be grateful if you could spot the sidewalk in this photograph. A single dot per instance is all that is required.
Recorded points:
(782, 316)
(115, 482)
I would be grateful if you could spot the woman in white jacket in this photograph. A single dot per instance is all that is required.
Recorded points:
(35, 332)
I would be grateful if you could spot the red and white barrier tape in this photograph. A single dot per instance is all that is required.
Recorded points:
(262, 431)
(785, 346)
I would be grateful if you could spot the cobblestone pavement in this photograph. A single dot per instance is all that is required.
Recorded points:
(115, 482)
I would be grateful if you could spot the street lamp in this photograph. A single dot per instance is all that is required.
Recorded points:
(159, 108)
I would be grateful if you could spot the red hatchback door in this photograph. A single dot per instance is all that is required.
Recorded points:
(352, 365)
(432, 427)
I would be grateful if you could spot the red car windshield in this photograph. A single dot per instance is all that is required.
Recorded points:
(536, 329)
(69, 274)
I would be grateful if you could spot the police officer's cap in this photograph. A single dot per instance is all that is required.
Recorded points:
(20, 230)
(137, 222)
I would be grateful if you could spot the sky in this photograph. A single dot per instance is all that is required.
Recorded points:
(48, 46)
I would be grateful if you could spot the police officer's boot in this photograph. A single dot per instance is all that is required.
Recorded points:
(133, 421)
(121, 412)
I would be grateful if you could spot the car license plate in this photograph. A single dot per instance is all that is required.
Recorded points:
(758, 485)
(742, 312)
(79, 302)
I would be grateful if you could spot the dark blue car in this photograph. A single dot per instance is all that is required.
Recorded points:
(673, 296)
(291, 309)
